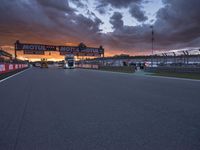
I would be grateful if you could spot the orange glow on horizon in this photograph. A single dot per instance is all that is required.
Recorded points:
(71, 44)
(55, 56)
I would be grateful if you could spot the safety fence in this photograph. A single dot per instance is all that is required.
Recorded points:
(6, 68)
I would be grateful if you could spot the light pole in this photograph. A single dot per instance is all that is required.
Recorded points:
(152, 46)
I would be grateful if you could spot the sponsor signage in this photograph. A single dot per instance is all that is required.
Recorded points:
(34, 52)
(68, 50)
(80, 51)
(10, 67)
(90, 50)
(2, 67)
(16, 66)
(34, 47)
(5, 68)
(38, 49)
(89, 54)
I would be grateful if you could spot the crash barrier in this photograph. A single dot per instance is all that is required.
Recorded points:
(6, 68)
(194, 70)
(126, 69)
(87, 66)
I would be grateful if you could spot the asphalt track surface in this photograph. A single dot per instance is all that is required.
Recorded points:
(55, 109)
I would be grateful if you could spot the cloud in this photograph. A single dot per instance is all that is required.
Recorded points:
(134, 7)
(118, 3)
(45, 21)
(137, 13)
(116, 20)
(55, 22)
(101, 9)
(79, 3)
(177, 26)
(61, 5)
(178, 22)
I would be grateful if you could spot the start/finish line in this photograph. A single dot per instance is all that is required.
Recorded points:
(39, 49)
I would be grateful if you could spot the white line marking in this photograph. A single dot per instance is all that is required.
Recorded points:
(13, 75)
(173, 78)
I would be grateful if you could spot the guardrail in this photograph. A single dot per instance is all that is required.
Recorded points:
(126, 69)
(6, 68)
(88, 66)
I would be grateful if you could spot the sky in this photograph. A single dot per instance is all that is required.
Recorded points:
(121, 26)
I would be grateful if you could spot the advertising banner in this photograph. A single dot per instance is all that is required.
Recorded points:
(39, 49)
(34, 52)
(80, 52)
(5, 68)
(64, 50)
(34, 47)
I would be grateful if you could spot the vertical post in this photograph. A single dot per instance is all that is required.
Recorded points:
(199, 57)
(184, 57)
(16, 48)
(103, 55)
(15, 51)
(187, 57)
(174, 57)
(152, 46)
(165, 59)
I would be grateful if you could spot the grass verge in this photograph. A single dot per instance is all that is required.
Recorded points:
(117, 69)
(178, 75)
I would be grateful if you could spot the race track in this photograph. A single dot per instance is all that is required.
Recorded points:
(56, 109)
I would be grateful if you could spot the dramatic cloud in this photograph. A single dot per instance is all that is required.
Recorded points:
(137, 13)
(45, 21)
(177, 26)
(178, 22)
(57, 22)
(116, 21)
(134, 7)
(61, 5)
(118, 3)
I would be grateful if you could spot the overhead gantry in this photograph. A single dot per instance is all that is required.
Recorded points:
(39, 49)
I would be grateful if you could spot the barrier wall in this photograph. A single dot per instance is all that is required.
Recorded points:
(126, 69)
(87, 66)
(5, 68)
